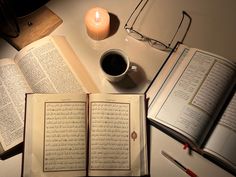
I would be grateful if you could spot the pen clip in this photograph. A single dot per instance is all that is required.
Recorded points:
(185, 146)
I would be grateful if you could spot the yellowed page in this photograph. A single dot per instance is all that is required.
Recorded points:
(117, 143)
(76, 66)
(55, 135)
(13, 87)
(52, 67)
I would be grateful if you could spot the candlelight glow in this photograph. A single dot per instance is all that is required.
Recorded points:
(97, 16)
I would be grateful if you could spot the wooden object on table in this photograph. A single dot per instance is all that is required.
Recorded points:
(35, 26)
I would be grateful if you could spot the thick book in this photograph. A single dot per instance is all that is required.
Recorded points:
(193, 99)
(48, 65)
(85, 135)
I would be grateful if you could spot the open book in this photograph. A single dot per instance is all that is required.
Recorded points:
(85, 135)
(48, 65)
(193, 98)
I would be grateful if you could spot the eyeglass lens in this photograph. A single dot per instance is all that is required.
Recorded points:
(153, 42)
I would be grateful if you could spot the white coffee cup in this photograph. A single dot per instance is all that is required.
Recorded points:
(115, 65)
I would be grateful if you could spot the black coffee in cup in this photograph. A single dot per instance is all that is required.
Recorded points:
(114, 64)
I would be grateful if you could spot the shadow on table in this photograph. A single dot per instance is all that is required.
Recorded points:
(135, 80)
(114, 24)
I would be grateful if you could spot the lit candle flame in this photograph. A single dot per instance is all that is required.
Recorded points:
(97, 16)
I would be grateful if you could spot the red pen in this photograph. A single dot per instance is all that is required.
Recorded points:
(178, 164)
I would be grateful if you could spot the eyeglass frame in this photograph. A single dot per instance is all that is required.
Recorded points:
(148, 39)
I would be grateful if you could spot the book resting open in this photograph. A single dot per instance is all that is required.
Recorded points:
(48, 65)
(193, 99)
(85, 135)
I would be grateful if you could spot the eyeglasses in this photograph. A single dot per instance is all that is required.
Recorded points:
(153, 42)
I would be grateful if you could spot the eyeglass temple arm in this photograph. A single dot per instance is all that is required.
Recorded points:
(137, 14)
(189, 24)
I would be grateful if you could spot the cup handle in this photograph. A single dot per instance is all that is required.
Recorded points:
(133, 68)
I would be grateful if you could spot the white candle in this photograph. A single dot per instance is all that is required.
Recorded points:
(97, 21)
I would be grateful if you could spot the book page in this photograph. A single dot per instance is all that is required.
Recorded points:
(56, 135)
(117, 143)
(191, 99)
(13, 87)
(165, 73)
(222, 142)
(50, 67)
(76, 66)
